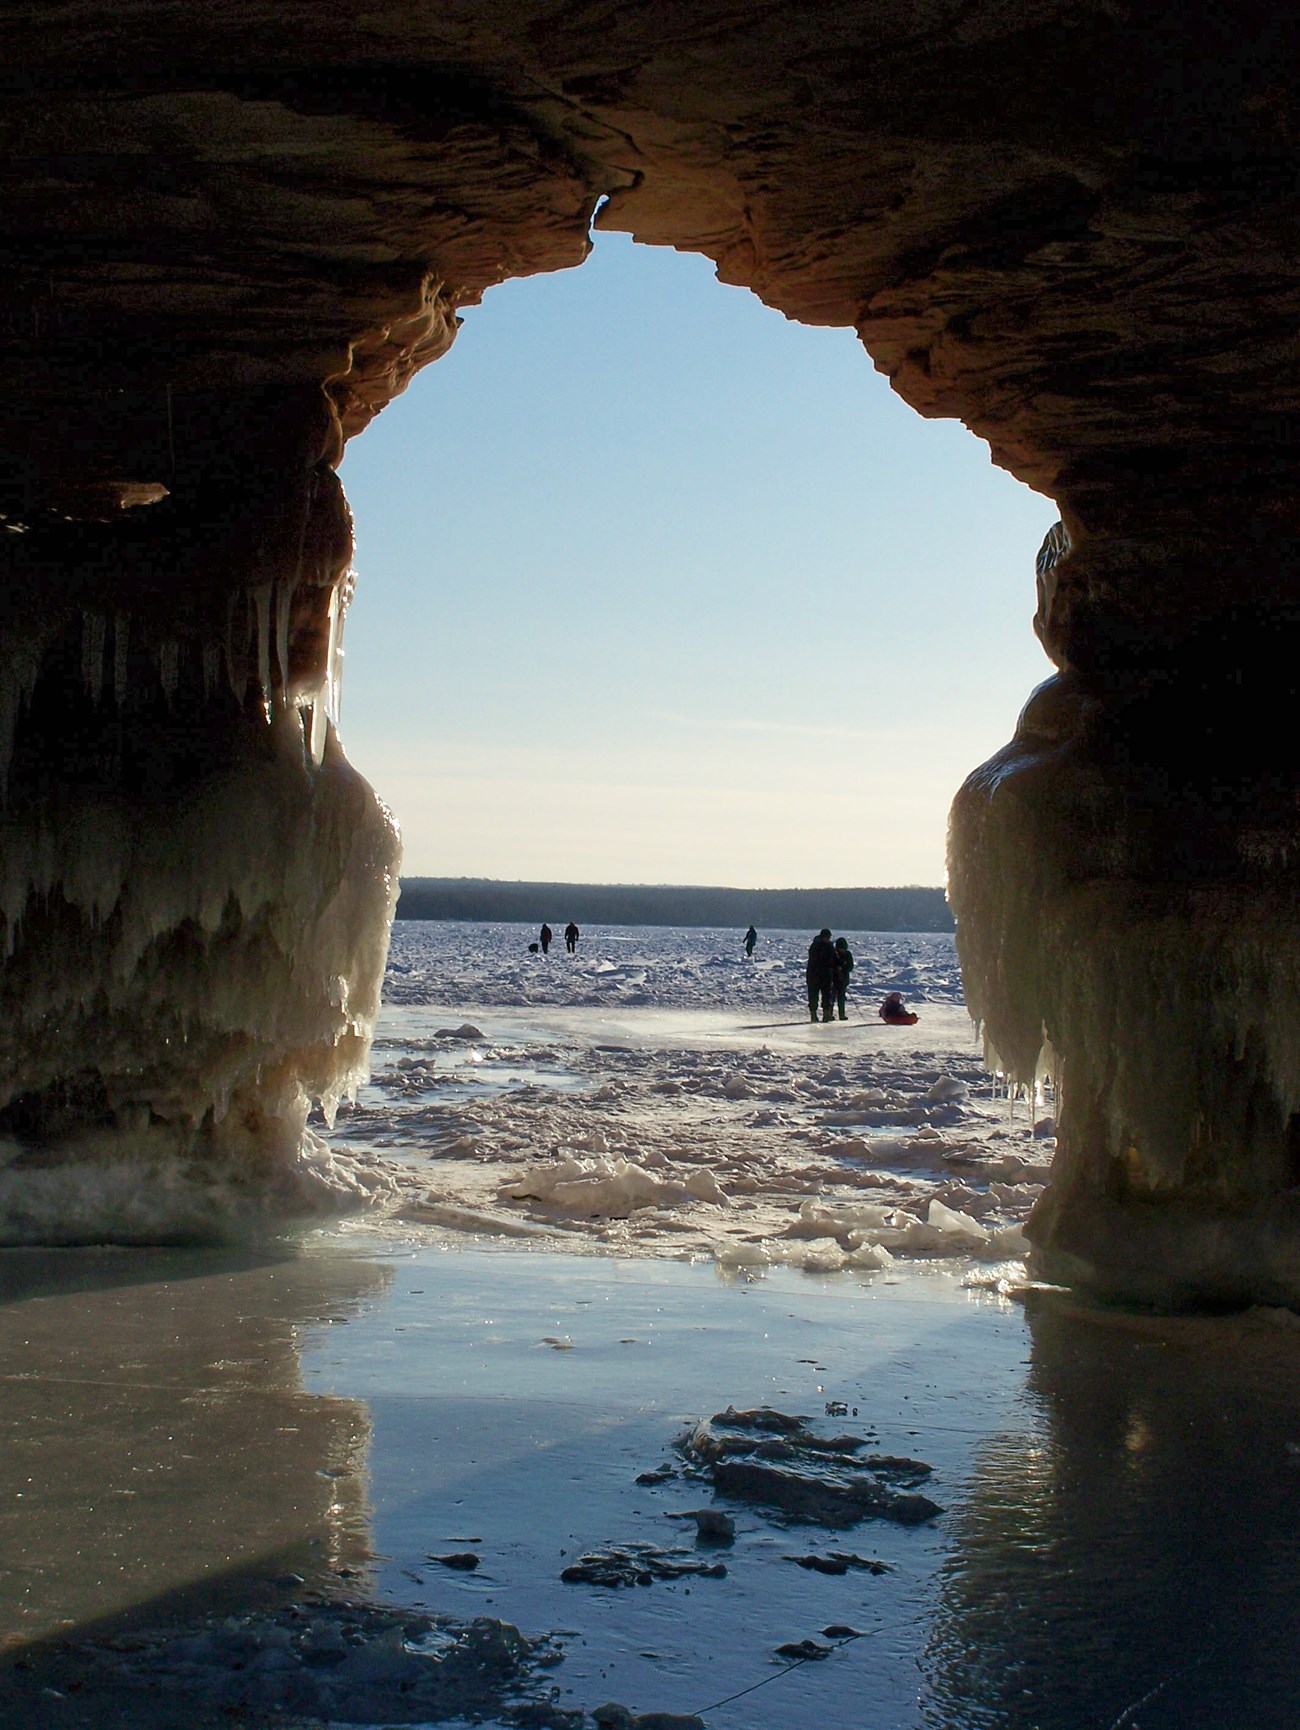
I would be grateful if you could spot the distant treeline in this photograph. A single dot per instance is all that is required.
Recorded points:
(909, 909)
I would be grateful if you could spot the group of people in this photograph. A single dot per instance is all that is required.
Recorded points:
(830, 962)
(545, 937)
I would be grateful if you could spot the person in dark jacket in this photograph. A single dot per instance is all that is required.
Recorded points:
(820, 974)
(571, 936)
(843, 967)
(544, 936)
(751, 938)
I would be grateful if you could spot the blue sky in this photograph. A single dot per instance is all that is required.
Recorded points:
(657, 586)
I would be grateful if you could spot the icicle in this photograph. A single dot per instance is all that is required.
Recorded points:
(323, 708)
(261, 598)
(283, 605)
(121, 643)
(17, 682)
(339, 598)
(169, 664)
(233, 681)
(94, 631)
(333, 658)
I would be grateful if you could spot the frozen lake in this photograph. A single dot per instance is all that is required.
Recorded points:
(612, 1198)
(659, 1093)
(206, 1451)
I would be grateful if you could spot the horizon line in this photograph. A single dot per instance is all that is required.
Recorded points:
(737, 888)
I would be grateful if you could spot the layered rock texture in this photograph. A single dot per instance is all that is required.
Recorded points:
(235, 231)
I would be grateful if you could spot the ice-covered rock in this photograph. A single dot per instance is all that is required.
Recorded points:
(1121, 874)
(229, 962)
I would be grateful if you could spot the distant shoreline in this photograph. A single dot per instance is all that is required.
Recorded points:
(911, 908)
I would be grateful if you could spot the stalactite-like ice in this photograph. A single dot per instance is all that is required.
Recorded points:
(121, 649)
(1117, 928)
(19, 671)
(186, 977)
(260, 599)
(94, 635)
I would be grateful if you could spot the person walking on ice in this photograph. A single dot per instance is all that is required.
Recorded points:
(751, 938)
(843, 967)
(571, 936)
(820, 975)
(544, 937)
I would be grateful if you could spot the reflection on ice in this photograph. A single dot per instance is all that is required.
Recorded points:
(1132, 1542)
(229, 1479)
(240, 1475)
(157, 1435)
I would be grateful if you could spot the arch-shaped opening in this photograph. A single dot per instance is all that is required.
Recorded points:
(1034, 229)
(236, 231)
(659, 586)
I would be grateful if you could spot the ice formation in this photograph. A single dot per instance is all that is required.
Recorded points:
(751, 1142)
(1129, 929)
(195, 914)
(612, 1188)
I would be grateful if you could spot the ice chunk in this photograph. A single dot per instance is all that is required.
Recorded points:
(742, 1255)
(954, 1223)
(871, 1257)
(702, 1184)
(854, 1147)
(829, 1259)
(1015, 1195)
(125, 1186)
(599, 1189)
(594, 1141)
(1008, 1240)
(947, 1090)
(838, 1221)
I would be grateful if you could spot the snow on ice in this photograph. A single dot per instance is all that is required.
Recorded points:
(660, 1094)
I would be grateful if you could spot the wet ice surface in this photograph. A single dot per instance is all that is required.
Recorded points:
(615, 1196)
(658, 1093)
(224, 1478)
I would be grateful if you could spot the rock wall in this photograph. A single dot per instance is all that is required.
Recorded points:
(234, 232)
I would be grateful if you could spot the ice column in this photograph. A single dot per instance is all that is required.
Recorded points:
(1126, 880)
(195, 886)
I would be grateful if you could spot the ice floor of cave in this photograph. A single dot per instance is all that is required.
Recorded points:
(199, 1440)
(208, 1450)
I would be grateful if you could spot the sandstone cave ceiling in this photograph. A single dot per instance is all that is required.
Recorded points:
(1069, 224)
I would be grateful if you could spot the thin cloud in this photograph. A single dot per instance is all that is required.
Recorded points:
(790, 729)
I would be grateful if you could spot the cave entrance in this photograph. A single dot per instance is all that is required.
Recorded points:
(657, 585)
